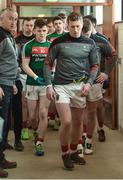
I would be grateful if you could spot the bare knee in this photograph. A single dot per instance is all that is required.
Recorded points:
(43, 114)
(66, 124)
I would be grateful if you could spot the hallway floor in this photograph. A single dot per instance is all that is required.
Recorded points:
(105, 163)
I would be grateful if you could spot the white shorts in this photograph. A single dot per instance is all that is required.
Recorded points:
(23, 78)
(70, 94)
(95, 93)
(34, 92)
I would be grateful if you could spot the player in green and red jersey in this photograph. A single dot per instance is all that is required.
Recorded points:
(34, 53)
(59, 29)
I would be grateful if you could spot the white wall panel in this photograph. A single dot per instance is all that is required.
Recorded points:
(2, 4)
(120, 75)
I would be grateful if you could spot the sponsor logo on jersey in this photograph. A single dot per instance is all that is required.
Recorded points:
(40, 50)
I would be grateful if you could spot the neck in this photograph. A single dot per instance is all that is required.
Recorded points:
(27, 34)
(41, 40)
(59, 32)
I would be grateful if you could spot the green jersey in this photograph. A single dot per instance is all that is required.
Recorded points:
(37, 52)
(53, 36)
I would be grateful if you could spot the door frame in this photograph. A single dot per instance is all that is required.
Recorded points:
(108, 30)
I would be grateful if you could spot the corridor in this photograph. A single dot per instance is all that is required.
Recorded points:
(105, 163)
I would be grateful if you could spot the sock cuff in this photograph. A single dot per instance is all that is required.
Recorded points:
(64, 148)
(73, 147)
(80, 141)
(89, 136)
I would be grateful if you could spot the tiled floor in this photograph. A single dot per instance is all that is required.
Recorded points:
(105, 163)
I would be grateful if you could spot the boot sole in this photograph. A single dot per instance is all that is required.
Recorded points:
(10, 167)
(79, 163)
(68, 169)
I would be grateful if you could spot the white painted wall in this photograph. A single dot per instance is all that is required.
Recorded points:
(2, 4)
(120, 76)
(117, 4)
(36, 11)
(117, 9)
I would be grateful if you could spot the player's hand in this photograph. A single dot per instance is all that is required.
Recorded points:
(85, 90)
(1, 94)
(50, 93)
(39, 80)
(15, 90)
(101, 78)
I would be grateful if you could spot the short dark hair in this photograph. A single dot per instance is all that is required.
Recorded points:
(57, 18)
(91, 18)
(86, 25)
(62, 15)
(74, 16)
(50, 20)
(40, 23)
(27, 19)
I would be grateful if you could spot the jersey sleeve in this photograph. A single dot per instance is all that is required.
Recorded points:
(26, 52)
(94, 64)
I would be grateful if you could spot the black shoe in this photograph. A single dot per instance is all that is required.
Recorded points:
(83, 140)
(101, 135)
(3, 173)
(19, 146)
(68, 164)
(77, 159)
(7, 164)
(8, 146)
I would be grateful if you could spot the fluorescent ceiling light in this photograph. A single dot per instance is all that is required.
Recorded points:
(51, 0)
(41, 15)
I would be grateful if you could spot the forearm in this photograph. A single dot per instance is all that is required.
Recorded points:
(47, 75)
(111, 60)
(48, 67)
(93, 74)
(29, 71)
(111, 63)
